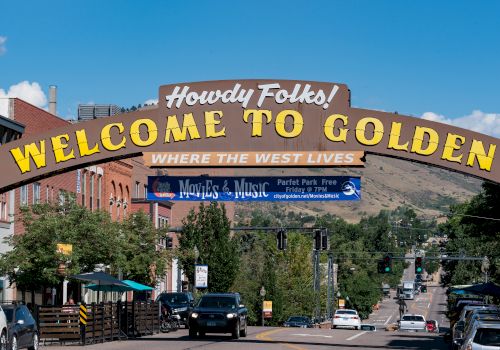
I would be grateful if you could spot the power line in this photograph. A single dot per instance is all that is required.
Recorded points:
(473, 216)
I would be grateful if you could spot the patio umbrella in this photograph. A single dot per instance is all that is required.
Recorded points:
(100, 279)
(131, 286)
(488, 288)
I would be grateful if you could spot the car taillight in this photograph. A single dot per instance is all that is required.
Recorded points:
(469, 347)
(337, 316)
(356, 318)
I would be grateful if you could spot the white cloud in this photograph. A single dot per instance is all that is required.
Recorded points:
(485, 123)
(3, 50)
(29, 92)
(151, 101)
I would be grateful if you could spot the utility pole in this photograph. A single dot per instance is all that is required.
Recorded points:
(330, 294)
(317, 283)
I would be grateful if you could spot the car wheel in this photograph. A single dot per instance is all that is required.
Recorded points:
(192, 333)
(236, 330)
(202, 334)
(333, 327)
(243, 332)
(35, 343)
(13, 343)
(3, 341)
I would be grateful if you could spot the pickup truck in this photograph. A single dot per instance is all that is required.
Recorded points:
(412, 322)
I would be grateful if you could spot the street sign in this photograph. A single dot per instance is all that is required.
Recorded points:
(267, 308)
(341, 303)
(201, 276)
(65, 249)
(254, 188)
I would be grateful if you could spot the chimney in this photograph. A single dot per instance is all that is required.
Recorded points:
(52, 99)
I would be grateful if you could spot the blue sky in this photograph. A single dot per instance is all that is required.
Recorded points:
(439, 57)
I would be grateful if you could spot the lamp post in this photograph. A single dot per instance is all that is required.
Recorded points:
(263, 295)
(338, 299)
(196, 256)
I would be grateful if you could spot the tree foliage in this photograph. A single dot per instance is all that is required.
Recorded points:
(472, 231)
(95, 239)
(208, 229)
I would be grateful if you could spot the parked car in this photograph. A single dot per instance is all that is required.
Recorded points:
(412, 322)
(298, 321)
(3, 330)
(219, 313)
(346, 318)
(432, 326)
(483, 335)
(178, 303)
(22, 328)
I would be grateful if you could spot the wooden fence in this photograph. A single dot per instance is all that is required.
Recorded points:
(105, 322)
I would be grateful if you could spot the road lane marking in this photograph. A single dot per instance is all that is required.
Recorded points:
(265, 337)
(356, 335)
(388, 319)
(312, 335)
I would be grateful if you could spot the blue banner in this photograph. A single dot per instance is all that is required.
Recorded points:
(253, 188)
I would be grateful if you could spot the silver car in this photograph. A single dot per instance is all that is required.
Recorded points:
(484, 335)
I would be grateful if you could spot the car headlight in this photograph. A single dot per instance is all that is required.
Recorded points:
(194, 315)
(231, 315)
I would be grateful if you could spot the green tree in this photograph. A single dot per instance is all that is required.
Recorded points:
(33, 260)
(140, 260)
(208, 229)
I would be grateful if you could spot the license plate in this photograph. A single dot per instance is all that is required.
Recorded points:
(346, 318)
(211, 324)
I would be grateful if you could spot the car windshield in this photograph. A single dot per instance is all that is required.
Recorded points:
(345, 312)
(174, 298)
(218, 302)
(413, 318)
(487, 336)
(298, 319)
(8, 314)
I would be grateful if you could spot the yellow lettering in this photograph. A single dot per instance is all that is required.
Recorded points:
(211, 122)
(378, 131)
(58, 147)
(298, 123)
(257, 115)
(83, 145)
(394, 138)
(418, 140)
(329, 127)
(135, 132)
(450, 146)
(106, 137)
(30, 151)
(188, 125)
(477, 151)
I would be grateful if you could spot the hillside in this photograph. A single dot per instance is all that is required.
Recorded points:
(386, 183)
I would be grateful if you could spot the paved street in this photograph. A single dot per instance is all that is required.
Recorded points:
(431, 305)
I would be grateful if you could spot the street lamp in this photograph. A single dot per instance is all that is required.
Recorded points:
(262, 293)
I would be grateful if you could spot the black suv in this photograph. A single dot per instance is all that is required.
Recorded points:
(178, 303)
(219, 313)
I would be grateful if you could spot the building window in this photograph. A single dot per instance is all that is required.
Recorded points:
(24, 195)
(3, 207)
(137, 189)
(99, 191)
(62, 197)
(36, 193)
(162, 221)
(84, 187)
(91, 193)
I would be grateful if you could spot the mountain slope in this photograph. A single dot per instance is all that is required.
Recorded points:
(386, 183)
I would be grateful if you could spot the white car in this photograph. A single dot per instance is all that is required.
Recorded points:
(346, 318)
(3, 330)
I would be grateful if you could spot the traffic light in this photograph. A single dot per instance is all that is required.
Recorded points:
(324, 239)
(317, 239)
(281, 239)
(418, 265)
(169, 243)
(386, 264)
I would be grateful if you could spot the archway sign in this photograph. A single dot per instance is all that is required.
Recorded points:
(249, 123)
